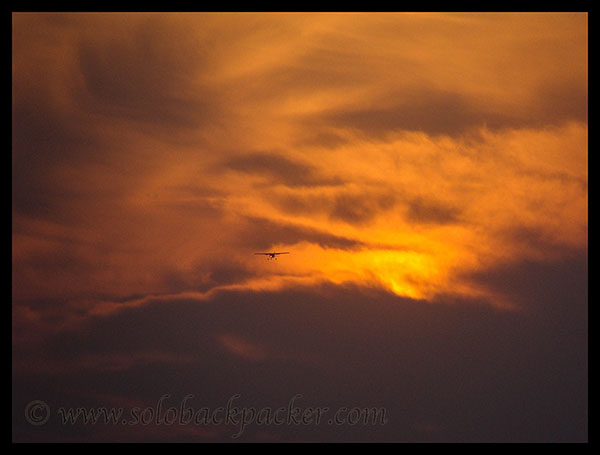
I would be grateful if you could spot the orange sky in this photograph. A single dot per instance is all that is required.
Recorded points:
(397, 150)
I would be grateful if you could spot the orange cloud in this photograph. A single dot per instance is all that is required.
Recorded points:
(154, 153)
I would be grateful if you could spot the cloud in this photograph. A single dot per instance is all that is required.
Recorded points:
(434, 112)
(476, 372)
(562, 101)
(278, 169)
(440, 112)
(360, 208)
(427, 172)
(262, 233)
(346, 205)
(540, 285)
(423, 211)
(143, 74)
(242, 348)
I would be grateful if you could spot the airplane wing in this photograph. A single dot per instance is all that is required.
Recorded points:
(284, 252)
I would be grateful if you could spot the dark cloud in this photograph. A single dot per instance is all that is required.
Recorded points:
(562, 101)
(447, 371)
(278, 169)
(321, 138)
(207, 207)
(299, 204)
(431, 111)
(425, 211)
(348, 206)
(217, 272)
(59, 125)
(261, 234)
(146, 75)
(43, 138)
(360, 208)
(535, 239)
(542, 286)
(437, 112)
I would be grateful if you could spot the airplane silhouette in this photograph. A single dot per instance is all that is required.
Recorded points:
(273, 255)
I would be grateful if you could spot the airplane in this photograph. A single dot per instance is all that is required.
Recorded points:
(273, 255)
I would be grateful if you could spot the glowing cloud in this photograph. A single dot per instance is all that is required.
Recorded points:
(407, 151)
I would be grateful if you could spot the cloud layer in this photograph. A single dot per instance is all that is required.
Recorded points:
(404, 160)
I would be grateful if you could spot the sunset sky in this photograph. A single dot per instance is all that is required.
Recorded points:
(428, 174)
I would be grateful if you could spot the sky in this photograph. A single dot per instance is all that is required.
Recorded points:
(427, 173)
